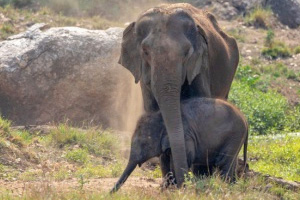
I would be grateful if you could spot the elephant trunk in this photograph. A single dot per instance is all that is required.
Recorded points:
(168, 98)
(173, 122)
(128, 170)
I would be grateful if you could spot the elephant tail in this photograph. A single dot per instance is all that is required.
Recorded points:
(246, 167)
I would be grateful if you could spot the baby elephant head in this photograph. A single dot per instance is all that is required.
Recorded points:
(149, 140)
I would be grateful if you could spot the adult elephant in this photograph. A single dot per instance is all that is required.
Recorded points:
(177, 51)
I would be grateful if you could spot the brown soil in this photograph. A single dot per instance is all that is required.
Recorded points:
(19, 188)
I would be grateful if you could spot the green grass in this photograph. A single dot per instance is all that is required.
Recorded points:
(267, 111)
(90, 170)
(46, 15)
(278, 157)
(206, 188)
(96, 141)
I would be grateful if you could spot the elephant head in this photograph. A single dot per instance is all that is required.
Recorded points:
(167, 49)
(149, 140)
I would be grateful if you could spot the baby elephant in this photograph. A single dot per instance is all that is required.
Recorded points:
(214, 132)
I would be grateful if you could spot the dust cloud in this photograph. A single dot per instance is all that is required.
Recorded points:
(128, 103)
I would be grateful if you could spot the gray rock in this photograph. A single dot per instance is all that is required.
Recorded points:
(65, 73)
(228, 9)
(288, 11)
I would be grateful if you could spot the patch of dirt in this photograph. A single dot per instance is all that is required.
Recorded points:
(19, 188)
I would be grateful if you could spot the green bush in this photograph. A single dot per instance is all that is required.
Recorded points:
(265, 111)
(293, 119)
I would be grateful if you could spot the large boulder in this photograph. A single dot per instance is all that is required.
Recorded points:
(288, 11)
(228, 9)
(67, 73)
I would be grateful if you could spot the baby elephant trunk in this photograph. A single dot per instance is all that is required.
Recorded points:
(129, 169)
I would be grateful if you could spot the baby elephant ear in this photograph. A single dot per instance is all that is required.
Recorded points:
(130, 56)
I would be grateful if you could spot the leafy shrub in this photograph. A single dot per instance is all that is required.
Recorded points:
(293, 119)
(265, 111)
(269, 38)
(259, 17)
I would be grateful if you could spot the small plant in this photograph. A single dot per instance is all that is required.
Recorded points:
(269, 40)
(259, 17)
(81, 182)
(77, 155)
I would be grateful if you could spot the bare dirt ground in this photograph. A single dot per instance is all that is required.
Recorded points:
(19, 188)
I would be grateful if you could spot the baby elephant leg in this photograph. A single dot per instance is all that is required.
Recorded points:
(201, 170)
(227, 165)
(166, 169)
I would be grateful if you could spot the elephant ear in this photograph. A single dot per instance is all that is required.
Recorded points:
(198, 61)
(130, 56)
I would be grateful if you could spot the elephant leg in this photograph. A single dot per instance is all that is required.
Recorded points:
(227, 166)
(150, 104)
(165, 165)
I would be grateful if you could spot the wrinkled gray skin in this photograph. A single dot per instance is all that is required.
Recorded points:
(178, 52)
(214, 133)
